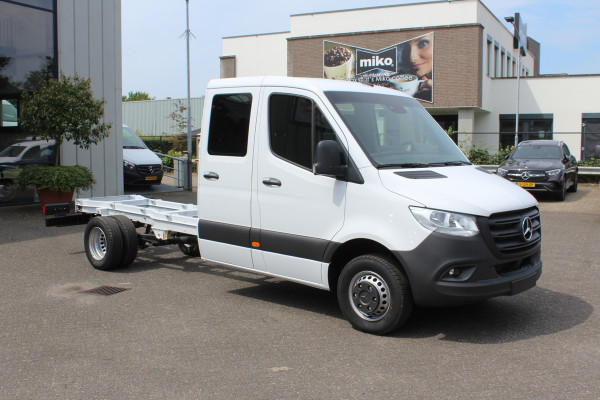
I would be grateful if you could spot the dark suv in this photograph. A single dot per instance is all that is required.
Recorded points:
(542, 166)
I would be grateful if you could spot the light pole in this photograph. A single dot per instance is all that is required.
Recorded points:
(520, 29)
(188, 175)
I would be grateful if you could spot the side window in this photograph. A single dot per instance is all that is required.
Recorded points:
(292, 121)
(229, 122)
(566, 151)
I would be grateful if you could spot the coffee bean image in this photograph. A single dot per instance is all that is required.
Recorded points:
(337, 56)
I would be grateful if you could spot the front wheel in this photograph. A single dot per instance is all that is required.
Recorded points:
(374, 295)
(562, 192)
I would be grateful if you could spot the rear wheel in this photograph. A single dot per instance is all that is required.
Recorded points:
(103, 243)
(8, 190)
(374, 295)
(130, 239)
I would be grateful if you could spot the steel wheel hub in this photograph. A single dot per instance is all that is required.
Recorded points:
(97, 243)
(369, 296)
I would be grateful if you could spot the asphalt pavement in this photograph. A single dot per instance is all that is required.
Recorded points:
(187, 329)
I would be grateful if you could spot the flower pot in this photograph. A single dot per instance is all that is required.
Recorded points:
(51, 197)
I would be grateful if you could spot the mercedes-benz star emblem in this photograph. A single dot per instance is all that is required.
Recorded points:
(526, 229)
(525, 175)
(151, 168)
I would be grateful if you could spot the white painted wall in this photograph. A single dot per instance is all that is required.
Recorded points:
(499, 33)
(258, 55)
(89, 44)
(567, 98)
(381, 18)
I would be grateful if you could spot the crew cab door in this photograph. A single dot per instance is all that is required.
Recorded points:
(225, 175)
(299, 212)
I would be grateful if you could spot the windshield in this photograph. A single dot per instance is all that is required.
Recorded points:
(395, 131)
(536, 152)
(12, 151)
(131, 140)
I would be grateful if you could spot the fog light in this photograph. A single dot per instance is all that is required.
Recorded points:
(454, 272)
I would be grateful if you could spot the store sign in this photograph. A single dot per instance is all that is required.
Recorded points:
(406, 66)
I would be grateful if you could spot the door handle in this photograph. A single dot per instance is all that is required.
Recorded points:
(271, 182)
(211, 176)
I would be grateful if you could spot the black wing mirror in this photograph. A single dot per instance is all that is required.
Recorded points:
(330, 159)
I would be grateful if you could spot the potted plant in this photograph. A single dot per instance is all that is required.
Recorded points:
(63, 109)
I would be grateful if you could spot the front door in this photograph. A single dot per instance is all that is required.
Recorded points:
(300, 212)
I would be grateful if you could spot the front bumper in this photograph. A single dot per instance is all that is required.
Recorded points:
(482, 273)
(141, 175)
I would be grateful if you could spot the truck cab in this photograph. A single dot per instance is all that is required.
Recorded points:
(353, 188)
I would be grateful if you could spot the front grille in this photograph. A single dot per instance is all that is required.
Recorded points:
(506, 231)
(149, 169)
(533, 176)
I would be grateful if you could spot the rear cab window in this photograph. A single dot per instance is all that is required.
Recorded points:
(229, 123)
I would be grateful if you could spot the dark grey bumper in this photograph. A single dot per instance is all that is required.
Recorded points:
(482, 274)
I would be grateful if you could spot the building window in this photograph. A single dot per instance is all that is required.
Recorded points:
(489, 57)
(27, 45)
(508, 65)
(496, 69)
(502, 58)
(531, 127)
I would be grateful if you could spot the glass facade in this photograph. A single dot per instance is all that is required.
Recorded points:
(531, 127)
(28, 54)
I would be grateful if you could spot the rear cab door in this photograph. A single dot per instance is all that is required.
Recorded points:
(225, 175)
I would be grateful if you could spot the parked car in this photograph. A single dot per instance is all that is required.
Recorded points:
(141, 166)
(29, 152)
(542, 166)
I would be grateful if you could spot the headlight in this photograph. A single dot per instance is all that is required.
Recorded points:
(128, 165)
(554, 172)
(446, 222)
(501, 172)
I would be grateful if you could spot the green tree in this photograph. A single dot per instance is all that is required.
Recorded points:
(137, 96)
(65, 109)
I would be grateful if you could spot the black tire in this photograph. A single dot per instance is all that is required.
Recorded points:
(374, 295)
(573, 187)
(103, 243)
(188, 249)
(562, 192)
(130, 240)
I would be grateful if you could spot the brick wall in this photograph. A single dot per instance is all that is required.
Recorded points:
(228, 67)
(457, 59)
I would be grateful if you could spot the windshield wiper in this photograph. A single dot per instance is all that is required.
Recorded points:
(133, 147)
(404, 165)
(450, 163)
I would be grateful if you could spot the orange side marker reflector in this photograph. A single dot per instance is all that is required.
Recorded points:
(255, 244)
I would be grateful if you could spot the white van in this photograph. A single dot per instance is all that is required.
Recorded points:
(340, 186)
(141, 166)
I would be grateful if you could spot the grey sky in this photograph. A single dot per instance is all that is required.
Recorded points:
(154, 51)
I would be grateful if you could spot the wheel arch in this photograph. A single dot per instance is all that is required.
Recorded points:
(352, 249)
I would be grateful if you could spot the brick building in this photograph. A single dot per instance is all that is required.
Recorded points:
(473, 72)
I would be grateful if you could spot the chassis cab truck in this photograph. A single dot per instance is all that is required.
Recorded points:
(353, 188)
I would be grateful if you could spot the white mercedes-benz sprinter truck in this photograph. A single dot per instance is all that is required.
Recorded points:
(348, 187)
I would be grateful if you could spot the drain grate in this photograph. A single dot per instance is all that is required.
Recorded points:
(105, 290)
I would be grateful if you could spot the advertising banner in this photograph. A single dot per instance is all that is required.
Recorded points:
(406, 66)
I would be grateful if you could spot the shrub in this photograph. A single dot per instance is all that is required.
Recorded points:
(58, 179)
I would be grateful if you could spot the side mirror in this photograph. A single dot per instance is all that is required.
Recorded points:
(330, 159)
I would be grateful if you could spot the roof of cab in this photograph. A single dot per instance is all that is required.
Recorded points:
(312, 84)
